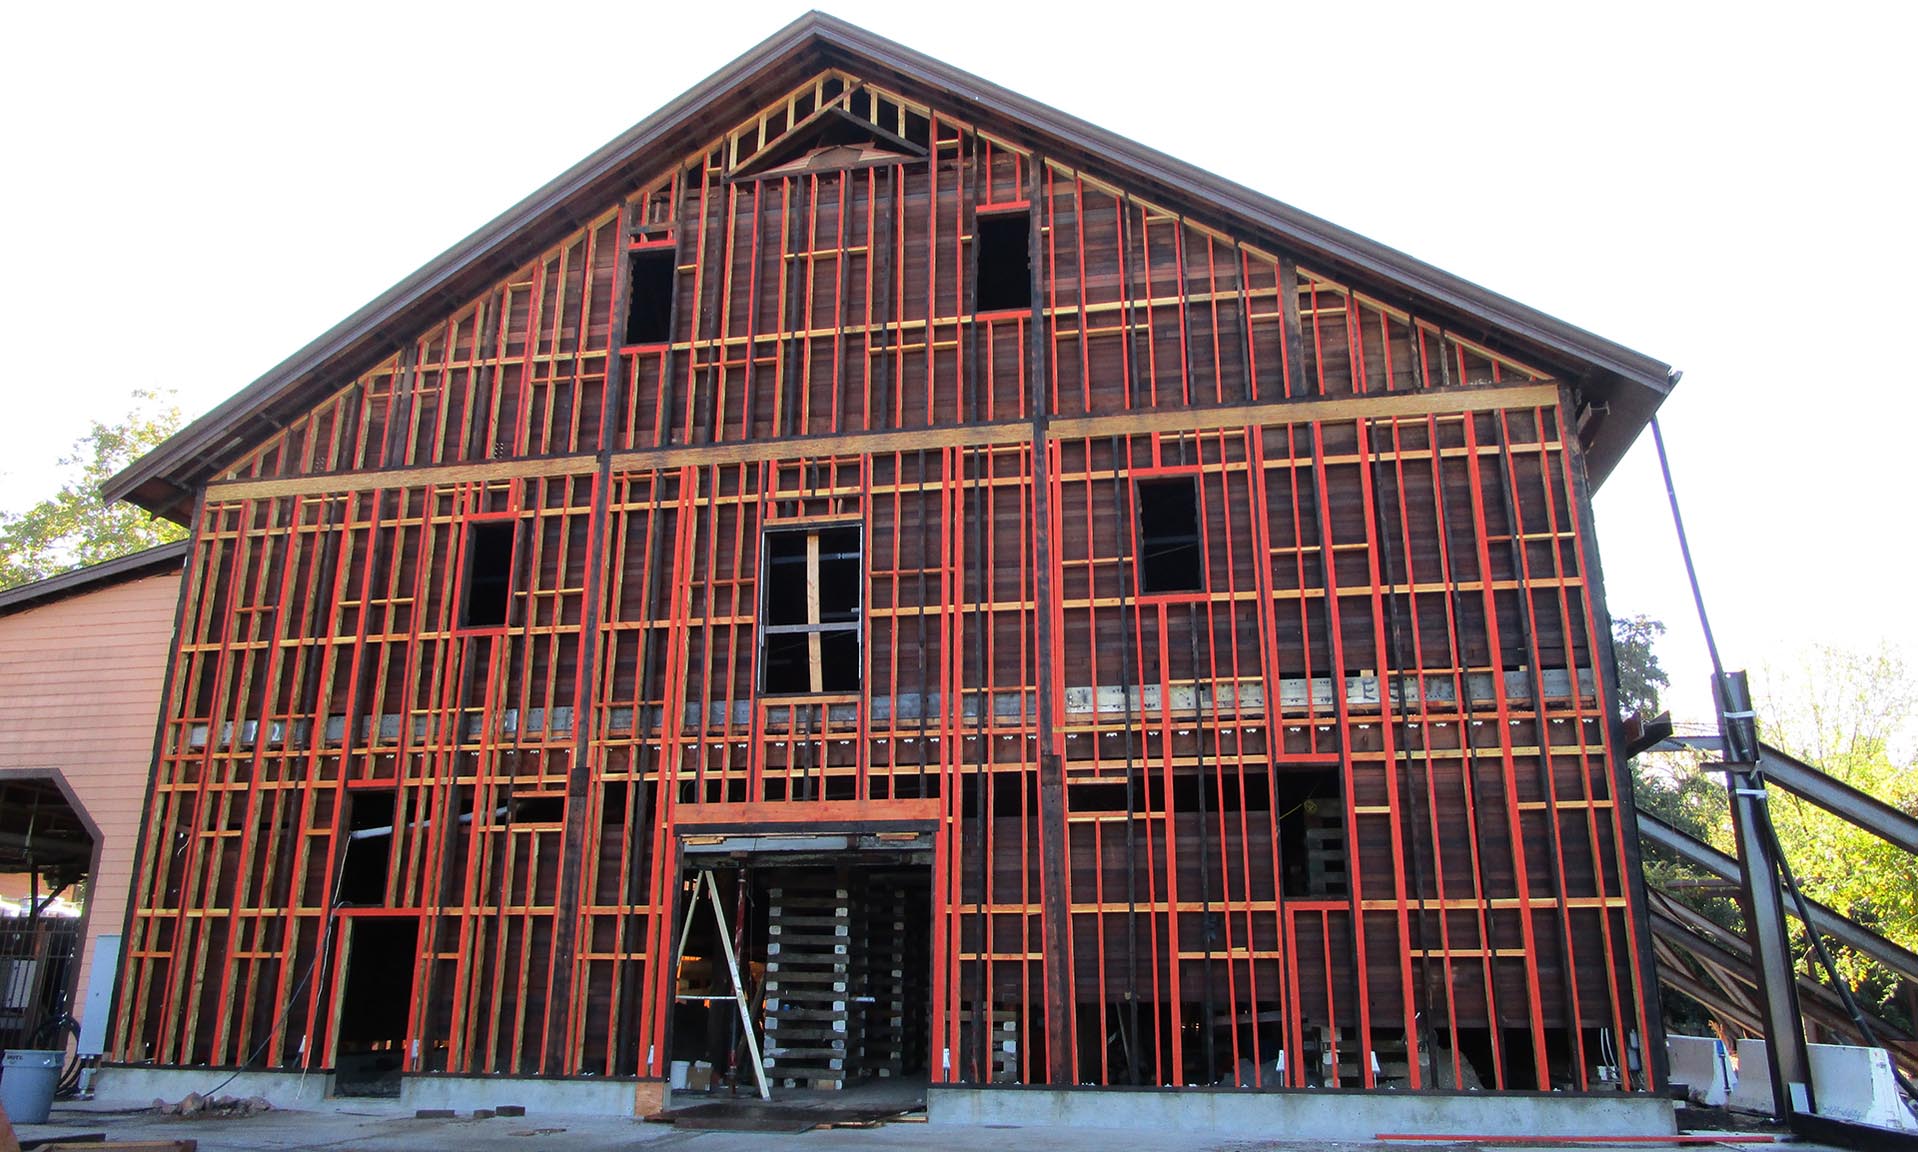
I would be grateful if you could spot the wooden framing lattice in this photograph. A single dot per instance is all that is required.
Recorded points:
(1400, 592)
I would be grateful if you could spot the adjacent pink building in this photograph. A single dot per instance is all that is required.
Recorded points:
(82, 661)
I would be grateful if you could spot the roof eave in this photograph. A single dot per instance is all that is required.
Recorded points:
(133, 566)
(1343, 249)
(150, 481)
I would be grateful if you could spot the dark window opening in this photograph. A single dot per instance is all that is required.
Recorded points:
(1171, 558)
(539, 810)
(649, 296)
(368, 849)
(793, 666)
(1312, 832)
(612, 803)
(786, 577)
(786, 664)
(489, 574)
(810, 631)
(1005, 261)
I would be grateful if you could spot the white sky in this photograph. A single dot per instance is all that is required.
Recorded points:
(189, 193)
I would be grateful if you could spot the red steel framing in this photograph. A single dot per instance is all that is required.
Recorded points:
(1395, 605)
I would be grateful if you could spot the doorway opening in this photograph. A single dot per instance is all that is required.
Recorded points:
(374, 1005)
(835, 952)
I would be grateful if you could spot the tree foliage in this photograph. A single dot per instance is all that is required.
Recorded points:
(1640, 678)
(74, 526)
(1853, 715)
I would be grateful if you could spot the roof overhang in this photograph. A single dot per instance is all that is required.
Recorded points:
(1625, 386)
(157, 561)
(44, 827)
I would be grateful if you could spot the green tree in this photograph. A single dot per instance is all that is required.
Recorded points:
(1671, 785)
(74, 526)
(1854, 715)
(1640, 678)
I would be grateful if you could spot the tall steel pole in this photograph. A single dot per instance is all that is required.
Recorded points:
(1763, 901)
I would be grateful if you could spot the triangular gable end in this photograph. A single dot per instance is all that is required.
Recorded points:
(834, 131)
(832, 137)
(520, 371)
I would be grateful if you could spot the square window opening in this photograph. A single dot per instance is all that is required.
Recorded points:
(489, 574)
(1171, 556)
(813, 583)
(1005, 261)
(649, 296)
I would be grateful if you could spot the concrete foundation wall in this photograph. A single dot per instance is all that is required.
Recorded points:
(1308, 1114)
(133, 1086)
(136, 1086)
(538, 1097)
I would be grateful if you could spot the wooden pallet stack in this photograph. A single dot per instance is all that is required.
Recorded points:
(808, 970)
(1002, 1045)
(878, 1029)
(1342, 1057)
(916, 985)
(1325, 856)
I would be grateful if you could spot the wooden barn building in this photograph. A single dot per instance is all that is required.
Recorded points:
(1056, 617)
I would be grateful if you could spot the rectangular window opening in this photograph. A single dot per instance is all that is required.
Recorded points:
(649, 296)
(539, 809)
(368, 849)
(1312, 832)
(1005, 261)
(812, 581)
(1171, 558)
(612, 803)
(489, 574)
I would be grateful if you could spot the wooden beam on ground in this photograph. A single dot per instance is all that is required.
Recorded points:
(118, 1146)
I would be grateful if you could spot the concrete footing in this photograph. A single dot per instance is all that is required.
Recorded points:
(1294, 1114)
(1309, 1114)
(539, 1097)
(135, 1085)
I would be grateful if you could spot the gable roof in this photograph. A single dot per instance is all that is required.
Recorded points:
(155, 561)
(1629, 384)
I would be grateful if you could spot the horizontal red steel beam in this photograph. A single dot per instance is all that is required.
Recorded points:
(819, 813)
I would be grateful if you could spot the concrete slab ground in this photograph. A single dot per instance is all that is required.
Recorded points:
(380, 1127)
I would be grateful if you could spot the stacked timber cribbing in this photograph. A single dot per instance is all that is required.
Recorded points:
(808, 981)
(917, 962)
(877, 1028)
(989, 1044)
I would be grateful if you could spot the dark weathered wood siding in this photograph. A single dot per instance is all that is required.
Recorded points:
(1397, 558)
